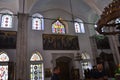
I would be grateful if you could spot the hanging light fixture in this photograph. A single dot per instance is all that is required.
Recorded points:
(107, 24)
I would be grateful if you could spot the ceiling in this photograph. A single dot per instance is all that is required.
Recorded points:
(75, 7)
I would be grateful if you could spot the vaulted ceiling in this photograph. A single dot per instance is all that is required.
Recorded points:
(82, 5)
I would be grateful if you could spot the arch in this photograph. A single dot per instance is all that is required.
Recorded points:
(58, 27)
(64, 58)
(36, 57)
(65, 65)
(30, 4)
(79, 26)
(6, 11)
(36, 67)
(37, 22)
(4, 57)
(6, 18)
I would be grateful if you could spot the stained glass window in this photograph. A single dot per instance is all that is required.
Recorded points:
(3, 57)
(3, 72)
(79, 26)
(36, 67)
(36, 57)
(58, 27)
(36, 71)
(37, 22)
(3, 66)
(6, 21)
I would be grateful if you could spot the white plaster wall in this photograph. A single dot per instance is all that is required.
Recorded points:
(55, 15)
(10, 4)
(35, 38)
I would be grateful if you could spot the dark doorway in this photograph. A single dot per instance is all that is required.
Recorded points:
(108, 63)
(119, 49)
(65, 66)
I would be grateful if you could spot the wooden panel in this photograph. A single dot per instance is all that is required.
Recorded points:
(8, 39)
(60, 42)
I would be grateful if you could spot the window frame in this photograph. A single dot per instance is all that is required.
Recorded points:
(59, 28)
(6, 12)
(81, 26)
(41, 18)
(40, 62)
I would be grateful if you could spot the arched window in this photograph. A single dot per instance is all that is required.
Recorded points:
(37, 22)
(79, 26)
(4, 59)
(58, 27)
(6, 19)
(36, 67)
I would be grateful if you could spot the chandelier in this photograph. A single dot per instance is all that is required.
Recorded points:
(109, 22)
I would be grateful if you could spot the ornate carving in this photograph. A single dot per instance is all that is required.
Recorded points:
(109, 14)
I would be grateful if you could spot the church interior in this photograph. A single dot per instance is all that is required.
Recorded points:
(37, 35)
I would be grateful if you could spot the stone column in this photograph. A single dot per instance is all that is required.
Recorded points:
(21, 54)
(115, 50)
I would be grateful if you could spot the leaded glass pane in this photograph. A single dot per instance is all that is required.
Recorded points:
(3, 72)
(58, 27)
(35, 57)
(36, 71)
(82, 28)
(36, 23)
(77, 27)
(3, 57)
(6, 21)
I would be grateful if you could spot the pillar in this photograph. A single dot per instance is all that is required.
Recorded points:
(115, 50)
(21, 53)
